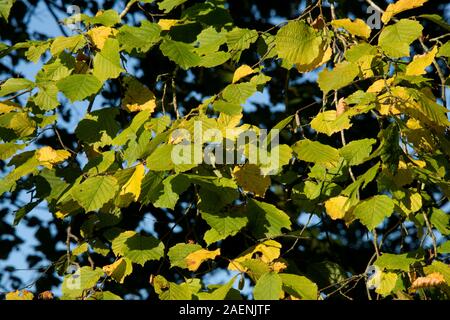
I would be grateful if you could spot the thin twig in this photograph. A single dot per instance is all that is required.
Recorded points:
(127, 8)
(174, 94)
(373, 5)
(431, 233)
(50, 9)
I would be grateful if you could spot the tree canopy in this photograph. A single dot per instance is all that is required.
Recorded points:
(298, 149)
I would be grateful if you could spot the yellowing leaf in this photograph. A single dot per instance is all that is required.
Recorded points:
(357, 27)
(250, 178)
(137, 97)
(323, 57)
(47, 156)
(19, 295)
(132, 188)
(166, 24)
(267, 251)
(196, 258)
(329, 122)
(242, 72)
(421, 62)
(119, 270)
(98, 35)
(337, 207)
(400, 6)
(8, 106)
(387, 282)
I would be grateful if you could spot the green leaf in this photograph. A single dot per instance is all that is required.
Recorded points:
(373, 211)
(139, 249)
(227, 107)
(15, 84)
(140, 38)
(328, 122)
(99, 127)
(161, 158)
(239, 93)
(8, 149)
(94, 192)
(224, 224)
(210, 40)
(181, 53)
(342, 75)
(168, 5)
(394, 261)
(268, 287)
(5, 8)
(298, 43)
(444, 51)
(314, 151)
(107, 61)
(47, 97)
(214, 59)
(299, 286)
(171, 291)
(357, 151)
(107, 18)
(440, 220)
(173, 186)
(178, 253)
(29, 166)
(18, 122)
(240, 39)
(220, 293)
(84, 278)
(72, 43)
(436, 19)
(34, 53)
(79, 86)
(266, 220)
(396, 39)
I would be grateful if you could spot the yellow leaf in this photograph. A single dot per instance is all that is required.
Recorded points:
(98, 35)
(226, 121)
(379, 85)
(47, 156)
(323, 57)
(195, 259)
(131, 190)
(242, 72)
(387, 282)
(249, 177)
(8, 106)
(166, 24)
(337, 207)
(19, 295)
(400, 6)
(421, 62)
(267, 251)
(119, 270)
(356, 28)
(137, 96)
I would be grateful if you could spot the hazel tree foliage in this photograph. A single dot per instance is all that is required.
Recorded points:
(390, 182)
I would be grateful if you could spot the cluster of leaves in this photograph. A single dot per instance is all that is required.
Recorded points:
(362, 74)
